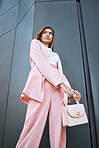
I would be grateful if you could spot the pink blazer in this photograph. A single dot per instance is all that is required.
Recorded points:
(41, 70)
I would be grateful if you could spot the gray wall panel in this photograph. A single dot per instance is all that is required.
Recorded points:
(6, 51)
(67, 45)
(90, 12)
(52, 0)
(7, 4)
(24, 7)
(8, 20)
(20, 70)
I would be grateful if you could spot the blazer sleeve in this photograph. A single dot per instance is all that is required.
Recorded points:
(42, 64)
(66, 82)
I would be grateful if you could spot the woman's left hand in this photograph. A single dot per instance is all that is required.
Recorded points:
(77, 96)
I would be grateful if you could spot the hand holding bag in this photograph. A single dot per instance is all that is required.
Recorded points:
(73, 115)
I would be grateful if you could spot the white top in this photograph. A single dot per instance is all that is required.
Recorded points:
(52, 57)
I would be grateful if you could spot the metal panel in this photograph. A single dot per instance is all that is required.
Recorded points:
(6, 52)
(24, 6)
(90, 13)
(6, 5)
(52, 0)
(20, 69)
(8, 20)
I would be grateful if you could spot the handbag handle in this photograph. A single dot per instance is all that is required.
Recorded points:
(66, 99)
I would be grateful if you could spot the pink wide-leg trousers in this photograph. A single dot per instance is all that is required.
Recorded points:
(36, 117)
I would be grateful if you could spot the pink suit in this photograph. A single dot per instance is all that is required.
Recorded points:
(42, 94)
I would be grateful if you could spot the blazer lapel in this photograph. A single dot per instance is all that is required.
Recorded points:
(44, 49)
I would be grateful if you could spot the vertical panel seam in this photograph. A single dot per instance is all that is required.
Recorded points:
(34, 19)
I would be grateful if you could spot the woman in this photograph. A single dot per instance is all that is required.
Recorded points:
(44, 92)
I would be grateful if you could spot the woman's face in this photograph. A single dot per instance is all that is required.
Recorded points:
(47, 36)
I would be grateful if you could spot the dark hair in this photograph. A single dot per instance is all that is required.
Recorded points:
(38, 36)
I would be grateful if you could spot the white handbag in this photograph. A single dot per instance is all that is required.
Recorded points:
(73, 115)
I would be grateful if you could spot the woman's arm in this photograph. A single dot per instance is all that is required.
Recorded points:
(42, 64)
(65, 85)
(68, 90)
(72, 94)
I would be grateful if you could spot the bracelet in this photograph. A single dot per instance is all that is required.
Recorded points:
(74, 95)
